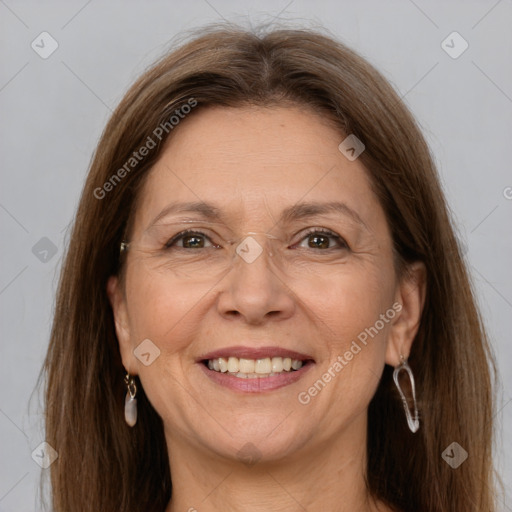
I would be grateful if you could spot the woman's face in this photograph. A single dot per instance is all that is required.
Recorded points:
(289, 261)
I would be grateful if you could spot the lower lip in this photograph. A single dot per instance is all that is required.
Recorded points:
(259, 384)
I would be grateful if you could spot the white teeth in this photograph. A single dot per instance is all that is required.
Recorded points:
(223, 364)
(253, 368)
(233, 364)
(277, 364)
(263, 365)
(246, 365)
(296, 364)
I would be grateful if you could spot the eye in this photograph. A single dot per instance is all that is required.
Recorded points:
(323, 239)
(190, 240)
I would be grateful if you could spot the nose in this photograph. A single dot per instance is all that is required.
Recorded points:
(255, 292)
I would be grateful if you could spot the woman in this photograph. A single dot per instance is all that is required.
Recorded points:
(263, 305)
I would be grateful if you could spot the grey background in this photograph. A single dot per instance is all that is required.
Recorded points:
(53, 111)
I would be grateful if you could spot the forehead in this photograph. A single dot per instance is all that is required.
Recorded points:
(255, 161)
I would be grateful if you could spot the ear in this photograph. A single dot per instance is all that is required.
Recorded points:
(409, 300)
(117, 300)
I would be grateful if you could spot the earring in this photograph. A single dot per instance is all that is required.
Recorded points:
(130, 402)
(413, 422)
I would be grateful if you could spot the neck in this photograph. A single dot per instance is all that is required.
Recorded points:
(328, 476)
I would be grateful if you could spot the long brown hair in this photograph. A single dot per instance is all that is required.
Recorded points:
(105, 466)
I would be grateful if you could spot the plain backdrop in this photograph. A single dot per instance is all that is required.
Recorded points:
(53, 110)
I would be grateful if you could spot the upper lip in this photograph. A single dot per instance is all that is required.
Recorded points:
(255, 353)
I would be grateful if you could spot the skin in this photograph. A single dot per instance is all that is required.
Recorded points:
(253, 163)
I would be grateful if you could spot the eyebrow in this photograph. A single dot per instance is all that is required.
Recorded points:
(293, 213)
(305, 210)
(206, 210)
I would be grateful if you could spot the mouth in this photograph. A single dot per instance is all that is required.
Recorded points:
(243, 368)
(253, 370)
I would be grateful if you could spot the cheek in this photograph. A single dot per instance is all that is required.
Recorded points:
(162, 308)
(351, 311)
(348, 301)
(346, 310)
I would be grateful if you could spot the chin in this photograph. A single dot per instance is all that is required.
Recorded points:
(259, 438)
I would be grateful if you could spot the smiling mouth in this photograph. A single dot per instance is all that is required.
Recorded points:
(243, 368)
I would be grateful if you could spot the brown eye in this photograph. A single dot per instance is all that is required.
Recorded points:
(193, 242)
(322, 240)
(317, 241)
(189, 240)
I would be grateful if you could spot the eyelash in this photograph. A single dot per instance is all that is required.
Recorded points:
(342, 244)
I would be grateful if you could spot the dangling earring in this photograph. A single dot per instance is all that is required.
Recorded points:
(130, 402)
(413, 422)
